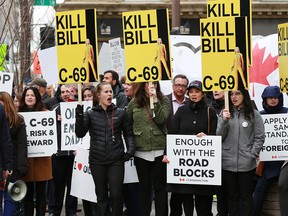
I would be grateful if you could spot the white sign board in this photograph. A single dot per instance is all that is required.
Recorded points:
(69, 140)
(117, 57)
(6, 82)
(82, 184)
(49, 62)
(41, 133)
(275, 147)
(194, 160)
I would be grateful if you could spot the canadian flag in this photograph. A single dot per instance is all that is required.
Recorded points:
(264, 71)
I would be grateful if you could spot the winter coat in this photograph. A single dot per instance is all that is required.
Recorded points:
(242, 141)
(121, 99)
(6, 156)
(149, 129)
(192, 119)
(272, 169)
(19, 142)
(104, 149)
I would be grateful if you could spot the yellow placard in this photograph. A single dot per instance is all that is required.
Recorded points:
(283, 56)
(224, 53)
(223, 8)
(76, 41)
(234, 8)
(146, 43)
(3, 51)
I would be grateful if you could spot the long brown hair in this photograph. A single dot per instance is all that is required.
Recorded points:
(140, 94)
(11, 112)
(39, 106)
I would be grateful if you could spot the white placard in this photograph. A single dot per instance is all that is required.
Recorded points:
(41, 133)
(49, 62)
(275, 147)
(194, 160)
(6, 82)
(69, 140)
(117, 57)
(82, 184)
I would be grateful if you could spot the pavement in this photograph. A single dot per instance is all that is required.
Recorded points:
(81, 213)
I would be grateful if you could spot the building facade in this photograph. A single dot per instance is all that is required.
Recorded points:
(266, 14)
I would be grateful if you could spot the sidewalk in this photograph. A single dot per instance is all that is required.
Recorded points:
(80, 206)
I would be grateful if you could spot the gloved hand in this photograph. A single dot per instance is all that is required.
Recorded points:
(126, 157)
(79, 109)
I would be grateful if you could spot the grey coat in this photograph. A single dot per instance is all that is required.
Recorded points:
(242, 141)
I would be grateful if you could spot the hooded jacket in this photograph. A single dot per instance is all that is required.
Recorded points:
(272, 168)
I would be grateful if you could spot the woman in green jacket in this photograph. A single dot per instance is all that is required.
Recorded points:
(149, 127)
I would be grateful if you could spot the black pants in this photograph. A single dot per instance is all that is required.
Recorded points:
(131, 198)
(62, 167)
(283, 190)
(176, 204)
(238, 187)
(152, 173)
(108, 176)
(40, 189)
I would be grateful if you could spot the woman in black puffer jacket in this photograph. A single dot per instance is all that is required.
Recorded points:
(106, 123)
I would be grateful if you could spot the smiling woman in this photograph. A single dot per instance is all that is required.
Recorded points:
(40, 168)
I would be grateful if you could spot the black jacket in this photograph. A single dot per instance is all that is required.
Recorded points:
(103, 150)
(121, 99)
(192, 119)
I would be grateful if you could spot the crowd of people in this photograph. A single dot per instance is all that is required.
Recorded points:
(132, 120)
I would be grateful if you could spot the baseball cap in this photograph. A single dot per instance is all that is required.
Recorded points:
(195, 84)
(38, 82)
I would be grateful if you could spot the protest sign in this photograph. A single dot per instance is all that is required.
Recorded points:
(276, 137)
(69, 140)
(194, 160)
(147, 33)
(283, 56)
(3, 53)
(233, 8)
(224, 53)
(76, 42)
(82, 184)
(41, 133)
(6, 82)
(117, 57)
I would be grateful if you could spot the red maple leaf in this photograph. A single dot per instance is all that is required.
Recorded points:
(260, 70)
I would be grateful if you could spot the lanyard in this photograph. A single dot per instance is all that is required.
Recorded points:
(111, 123)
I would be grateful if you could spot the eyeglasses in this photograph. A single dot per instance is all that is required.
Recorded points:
(180, 85)
(236, 94)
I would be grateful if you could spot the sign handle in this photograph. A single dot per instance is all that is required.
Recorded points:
(151, 98)
(226, 98)
(80, 93)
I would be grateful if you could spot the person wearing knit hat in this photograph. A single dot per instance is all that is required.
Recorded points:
(272, 104)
